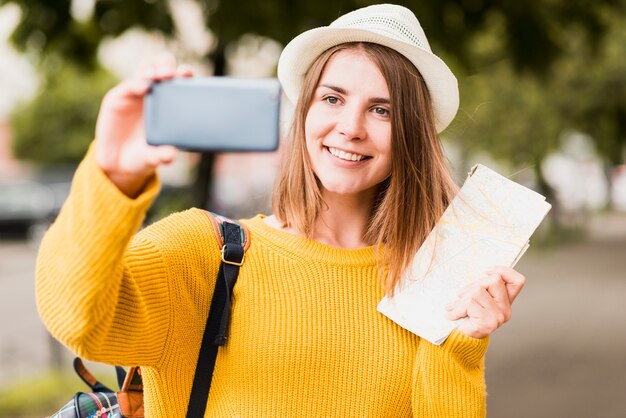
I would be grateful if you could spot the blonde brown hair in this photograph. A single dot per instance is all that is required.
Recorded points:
(411, 200)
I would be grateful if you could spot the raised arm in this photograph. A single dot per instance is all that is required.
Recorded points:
(121, 149)
(96, 291)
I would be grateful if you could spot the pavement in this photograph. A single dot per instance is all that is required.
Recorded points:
(563, 354)
(24, 342)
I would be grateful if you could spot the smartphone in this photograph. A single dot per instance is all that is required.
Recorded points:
(214, 114)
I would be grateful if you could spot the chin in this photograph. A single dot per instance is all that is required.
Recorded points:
(345, 189)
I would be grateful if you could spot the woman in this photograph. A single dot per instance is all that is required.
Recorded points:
(363, 184)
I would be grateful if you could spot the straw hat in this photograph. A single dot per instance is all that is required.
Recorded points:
(386, 24)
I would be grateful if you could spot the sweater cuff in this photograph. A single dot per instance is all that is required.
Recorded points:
(110, 192)
(470, 351)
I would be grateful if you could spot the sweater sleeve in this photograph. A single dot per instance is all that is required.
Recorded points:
(94, 294)
(449, 380)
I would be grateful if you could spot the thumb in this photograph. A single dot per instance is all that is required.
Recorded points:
(166, 153)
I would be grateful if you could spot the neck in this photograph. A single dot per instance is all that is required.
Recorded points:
(342, 222)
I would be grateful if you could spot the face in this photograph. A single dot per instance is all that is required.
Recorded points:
(348, 126)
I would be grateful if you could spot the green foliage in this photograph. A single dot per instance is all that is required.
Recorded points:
(170, 200)
(58, 125)
(115, 16)
(534, 31)
(504, 112)
(544, 66)
(47, 27)
(592, 89)
(510, 116)
(533, 35)
(519, 117)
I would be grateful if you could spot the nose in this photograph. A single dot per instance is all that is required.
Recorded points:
(351, 123)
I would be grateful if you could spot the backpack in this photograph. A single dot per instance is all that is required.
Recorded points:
(102, 401)
(128, 402)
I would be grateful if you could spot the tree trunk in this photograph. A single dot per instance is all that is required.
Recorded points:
(546, 190)
(204, 174)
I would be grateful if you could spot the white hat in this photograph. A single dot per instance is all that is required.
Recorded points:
(386, 24)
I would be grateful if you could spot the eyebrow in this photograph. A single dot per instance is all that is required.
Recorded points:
(340, 90)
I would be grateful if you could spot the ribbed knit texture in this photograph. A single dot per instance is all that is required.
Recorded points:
(305, 337)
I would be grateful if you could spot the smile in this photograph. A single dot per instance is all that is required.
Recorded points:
(348, 156)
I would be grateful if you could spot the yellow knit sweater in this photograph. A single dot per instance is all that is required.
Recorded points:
(305, 337)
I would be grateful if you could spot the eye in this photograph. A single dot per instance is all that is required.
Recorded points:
(331, 100)
(381, 111)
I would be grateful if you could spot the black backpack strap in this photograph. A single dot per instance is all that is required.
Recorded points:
(233, 242)
(120, 373)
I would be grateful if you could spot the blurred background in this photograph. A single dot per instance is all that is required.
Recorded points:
(543, 101)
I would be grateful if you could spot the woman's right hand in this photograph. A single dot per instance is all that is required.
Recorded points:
(121, 148)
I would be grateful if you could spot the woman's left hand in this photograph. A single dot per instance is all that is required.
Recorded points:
(484, 305)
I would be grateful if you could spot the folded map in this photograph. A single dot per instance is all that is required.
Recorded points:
(488, 223)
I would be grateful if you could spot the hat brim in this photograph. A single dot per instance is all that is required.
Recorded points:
(303, 50)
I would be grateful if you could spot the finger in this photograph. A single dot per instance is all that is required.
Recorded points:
(491, 309)
(492, 282)
(132, 87)
(125, 95)
(474, 328)
(498, 292)
(166, 153)
(161, 67)
(496, 287)
(480, 321)
(184, 70)
(162, 154)
(469, 328)
(483, 298)
(457, 309)
(513, 280)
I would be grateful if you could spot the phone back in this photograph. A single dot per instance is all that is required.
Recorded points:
(214, 114)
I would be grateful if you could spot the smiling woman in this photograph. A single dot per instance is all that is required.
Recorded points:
(348, 132)
(362, 184)
(354, 100)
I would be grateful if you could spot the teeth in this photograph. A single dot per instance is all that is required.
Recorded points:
(345, 155)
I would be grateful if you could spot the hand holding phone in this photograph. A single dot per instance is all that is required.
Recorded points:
(214, 114)
(120, 146)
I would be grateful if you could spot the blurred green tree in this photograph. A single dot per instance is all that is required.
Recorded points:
(48, 27)
(534, 31)
(57, 126)
(531, 35)
(511, 116)
(507, 112)
(592, 90)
